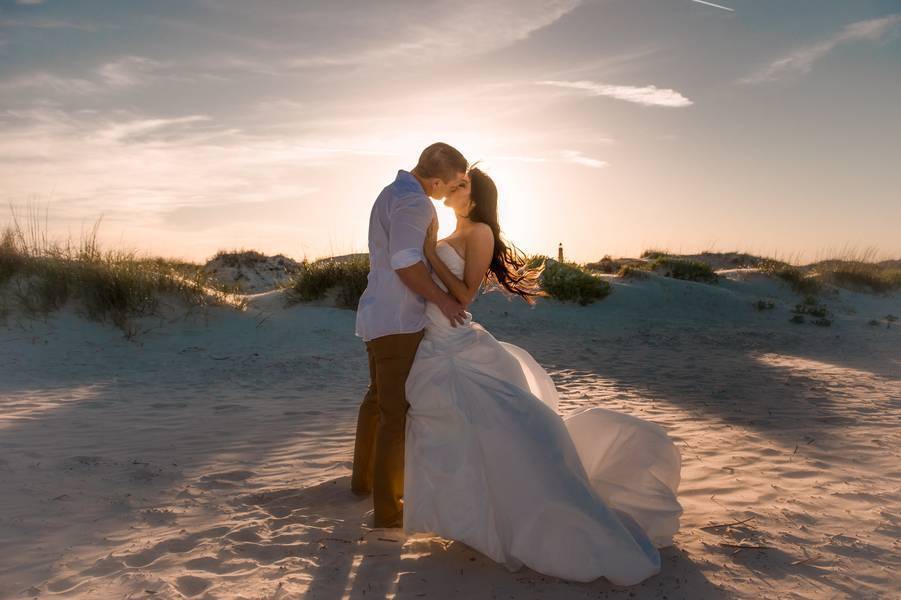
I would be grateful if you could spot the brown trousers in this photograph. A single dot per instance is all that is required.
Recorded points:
(381, 426)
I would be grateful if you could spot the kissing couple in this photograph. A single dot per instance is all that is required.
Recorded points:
(458, 434)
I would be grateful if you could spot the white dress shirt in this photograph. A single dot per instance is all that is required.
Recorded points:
(397, 228)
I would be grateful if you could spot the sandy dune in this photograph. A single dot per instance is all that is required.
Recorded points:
(210, 458)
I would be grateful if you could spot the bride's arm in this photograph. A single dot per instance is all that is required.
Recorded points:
(479, 249)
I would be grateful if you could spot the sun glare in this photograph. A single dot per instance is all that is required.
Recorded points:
(515, 204)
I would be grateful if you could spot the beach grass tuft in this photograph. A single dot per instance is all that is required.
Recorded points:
(43, 275)
(680, 268)
(316, 279)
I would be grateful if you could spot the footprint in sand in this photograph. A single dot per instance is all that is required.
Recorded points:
(224, 480)
(216, 565)
(230, 408)
(192, 586)
(169, 405)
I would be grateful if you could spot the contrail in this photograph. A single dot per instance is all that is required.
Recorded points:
(714, 5)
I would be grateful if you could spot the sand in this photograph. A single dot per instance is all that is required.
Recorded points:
(209, 457)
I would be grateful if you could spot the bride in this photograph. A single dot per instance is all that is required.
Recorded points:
(490, 463)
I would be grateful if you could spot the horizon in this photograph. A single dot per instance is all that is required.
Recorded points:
(610, 126)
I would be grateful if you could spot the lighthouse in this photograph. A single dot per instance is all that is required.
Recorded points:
(560, 252)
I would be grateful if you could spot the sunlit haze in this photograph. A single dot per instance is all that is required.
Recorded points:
(609, 126)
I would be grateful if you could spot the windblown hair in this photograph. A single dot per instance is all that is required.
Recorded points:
(508, 269)
(442, 161)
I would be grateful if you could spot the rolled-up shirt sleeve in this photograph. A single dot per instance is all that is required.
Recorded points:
(408, 224)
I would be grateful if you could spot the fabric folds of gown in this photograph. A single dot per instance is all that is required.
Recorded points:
(490, 463)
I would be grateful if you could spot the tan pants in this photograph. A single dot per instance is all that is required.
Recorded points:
(381, 426)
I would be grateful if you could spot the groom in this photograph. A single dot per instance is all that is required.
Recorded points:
(391, 320)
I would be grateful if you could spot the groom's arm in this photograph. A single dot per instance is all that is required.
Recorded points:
(408, 226)
(417, 278)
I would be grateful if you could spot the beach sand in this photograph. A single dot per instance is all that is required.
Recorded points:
(209, 457)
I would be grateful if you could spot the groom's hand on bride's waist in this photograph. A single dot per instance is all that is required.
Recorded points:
(453, 310)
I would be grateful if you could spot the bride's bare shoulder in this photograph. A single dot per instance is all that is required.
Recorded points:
(480, 233)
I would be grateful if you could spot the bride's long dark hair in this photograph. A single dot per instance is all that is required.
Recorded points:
(509, 268)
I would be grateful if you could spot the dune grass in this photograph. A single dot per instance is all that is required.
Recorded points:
(606, 265)
(800, 281)
(316, 279)
(859, 275)
(669, 265)
(852, 270)
(680, 268)
(654, 253)
(633, 271)
(239, 257)
(41, 275)
(569, 282)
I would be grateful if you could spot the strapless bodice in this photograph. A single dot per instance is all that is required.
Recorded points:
(438, 328)
(451, 258)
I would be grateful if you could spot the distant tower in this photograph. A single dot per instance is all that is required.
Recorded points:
(560, 252)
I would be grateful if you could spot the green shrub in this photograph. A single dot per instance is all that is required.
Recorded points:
(813, 311)
(568, 282)
(634, 271)
(799, 281)
(606, 265)
(689, 270)
(653, 254)
(316, 279)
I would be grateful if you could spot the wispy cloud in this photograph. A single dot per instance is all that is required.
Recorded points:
(649, 95)
(802, 60)
(128, 71)
(124, 130)
(714, 5)
(46, 24)
(29, 2)
(577, 158)
(49, 82)
(138, 161)
(123, 72)
(372, 35)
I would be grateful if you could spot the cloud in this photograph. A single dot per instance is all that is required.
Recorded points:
(49, 82)
(133, 165)
(128, 71)
(714, 5)
(802, 60)
(123, 72)
(577, 158)
(649, 95)
(46, 24)
(320, 35)
(122, 131)
(29, 2)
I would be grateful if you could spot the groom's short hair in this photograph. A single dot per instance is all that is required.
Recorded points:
(442, 161)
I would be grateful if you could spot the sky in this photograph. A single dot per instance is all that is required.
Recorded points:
(611, 126)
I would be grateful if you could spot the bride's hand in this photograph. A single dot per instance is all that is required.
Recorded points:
(431, 239)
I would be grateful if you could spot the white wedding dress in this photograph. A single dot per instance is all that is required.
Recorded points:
(490, 463)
